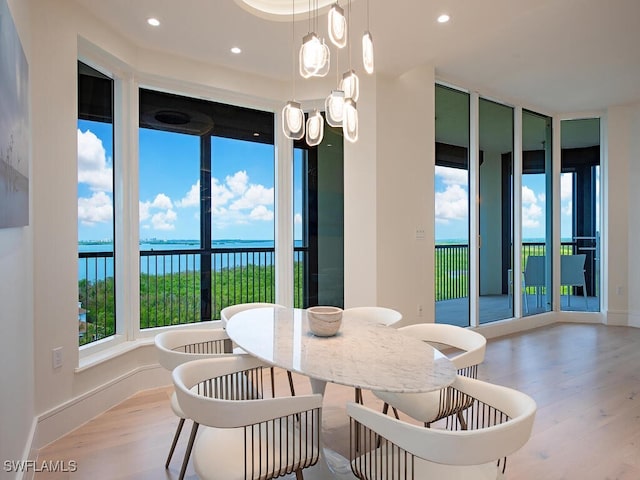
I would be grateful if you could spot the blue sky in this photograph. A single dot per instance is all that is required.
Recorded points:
(243, 190)
(242, 186)
(452, 205)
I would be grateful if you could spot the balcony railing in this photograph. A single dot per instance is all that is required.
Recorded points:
(452, 266)
(174, 290)
(181, 286)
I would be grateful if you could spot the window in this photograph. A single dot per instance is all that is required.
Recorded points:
(96, 266)
(203, 186)
(452, 206)
(319, 221)
(206, 185)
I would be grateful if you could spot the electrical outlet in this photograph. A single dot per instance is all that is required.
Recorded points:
(57, 357)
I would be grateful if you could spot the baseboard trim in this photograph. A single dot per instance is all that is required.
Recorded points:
(66, 417)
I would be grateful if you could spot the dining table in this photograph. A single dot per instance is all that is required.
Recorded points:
(363, 354)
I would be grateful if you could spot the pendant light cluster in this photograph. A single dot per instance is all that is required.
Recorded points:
(314, 61)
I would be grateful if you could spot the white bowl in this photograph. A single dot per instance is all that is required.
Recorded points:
(324, 321)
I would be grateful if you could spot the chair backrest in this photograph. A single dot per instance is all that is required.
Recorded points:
(195, 384)
(572, 269)
(227, 312)
(472, 345)
(534, 271)
(175, 347)
(499, 422)
(379, 315)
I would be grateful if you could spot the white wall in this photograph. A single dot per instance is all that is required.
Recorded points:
(16, 314)
(624, 219)
(620, 213)
(404, 185)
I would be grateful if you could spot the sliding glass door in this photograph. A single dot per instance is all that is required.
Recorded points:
(536, 254)
(580, 219)
(495, 211)
(452, 206)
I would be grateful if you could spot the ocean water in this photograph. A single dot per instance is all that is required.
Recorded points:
(100, 268)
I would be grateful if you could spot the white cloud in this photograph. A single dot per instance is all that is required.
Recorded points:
(297, 219)
(531, 215)
(238, 182)
(93, 168)
(452, 204)
(192, 198)
(255, 195)
(567, 208)
(220, 194)
(261, 213)
(96, 209)
(528, 196)
(160, 212)
(452, 176)
(162, 201)
(164, 220)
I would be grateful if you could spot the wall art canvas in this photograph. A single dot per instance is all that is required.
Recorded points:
(14, 125)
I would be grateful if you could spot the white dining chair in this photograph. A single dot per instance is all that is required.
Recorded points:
(384, 316)
(245, 437)
(176, 347)
(467, 349)
(228, 312)
(497, 422)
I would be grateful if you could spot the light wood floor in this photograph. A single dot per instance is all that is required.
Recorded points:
(585, 379)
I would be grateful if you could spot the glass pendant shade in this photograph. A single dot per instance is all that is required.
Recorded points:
(367, 52)
(314, 57)
(315, 128)
(293, 120)
(350, 120)
(337, 26)
(350, 85)
(334, 108)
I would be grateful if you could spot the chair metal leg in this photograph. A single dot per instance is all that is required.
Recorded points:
(291, 387)
(187, 453)
(358, 396)
(273, 384)
(175, 442)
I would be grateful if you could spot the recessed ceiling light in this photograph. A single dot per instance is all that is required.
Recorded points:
(444, 18)
(236, 50)
(256, 134)
(154, 22)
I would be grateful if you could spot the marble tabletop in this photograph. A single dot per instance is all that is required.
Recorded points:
(363, 354)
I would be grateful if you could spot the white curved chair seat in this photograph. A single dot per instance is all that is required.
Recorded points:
(175, 406)
(424, 407)
(247, 438)
(467, 446)
(211, 462)
(469, 349)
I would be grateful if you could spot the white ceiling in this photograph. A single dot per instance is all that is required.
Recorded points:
(556, 55)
